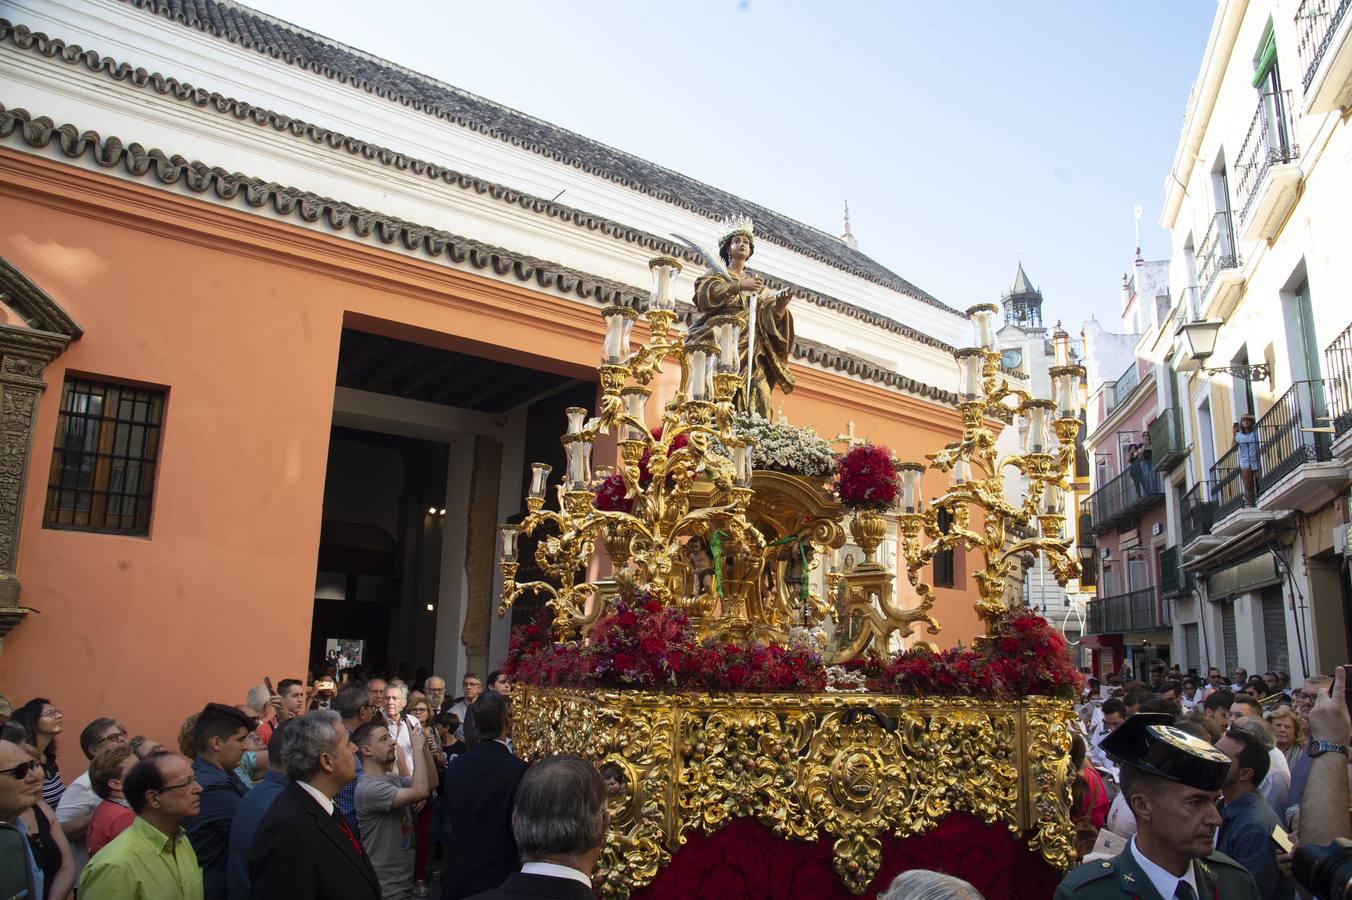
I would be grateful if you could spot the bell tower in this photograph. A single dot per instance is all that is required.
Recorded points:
(1023, 303)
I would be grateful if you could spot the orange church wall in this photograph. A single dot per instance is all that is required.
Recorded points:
(239, 317)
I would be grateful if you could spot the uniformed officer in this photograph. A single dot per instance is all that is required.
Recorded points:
(1171, 780)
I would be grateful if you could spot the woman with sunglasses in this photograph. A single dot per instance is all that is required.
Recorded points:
(47, 842)
(43, 723)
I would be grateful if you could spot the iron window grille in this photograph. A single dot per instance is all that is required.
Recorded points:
(104, 458)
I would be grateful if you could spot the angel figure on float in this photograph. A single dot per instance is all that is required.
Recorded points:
(728, 289)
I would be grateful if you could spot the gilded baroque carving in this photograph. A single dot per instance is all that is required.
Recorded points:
(852, 767)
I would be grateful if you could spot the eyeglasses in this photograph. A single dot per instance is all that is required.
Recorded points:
(20, 772)
(51, 713)
(174, 787)
(117, 737)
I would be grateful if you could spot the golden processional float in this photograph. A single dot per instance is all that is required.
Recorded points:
(696, 526)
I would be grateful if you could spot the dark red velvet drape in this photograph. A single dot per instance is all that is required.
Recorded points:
(746, 861)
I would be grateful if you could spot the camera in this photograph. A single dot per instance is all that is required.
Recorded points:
(1325, 871)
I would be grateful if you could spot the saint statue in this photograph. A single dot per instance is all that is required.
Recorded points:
(729, 290)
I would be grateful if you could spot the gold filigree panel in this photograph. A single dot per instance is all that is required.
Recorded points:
(853, 767)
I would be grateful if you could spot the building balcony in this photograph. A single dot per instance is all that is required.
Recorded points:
(1167, 447)
(1338, 368)
(1296, 468)
(1117, 393)
(1196, 514)
(1174, 580)
(1125, 497)
(1141, 610)
(1218, 273)
(1268, 176)
(1322, 28)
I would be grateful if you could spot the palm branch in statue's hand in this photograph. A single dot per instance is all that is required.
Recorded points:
(712, 261)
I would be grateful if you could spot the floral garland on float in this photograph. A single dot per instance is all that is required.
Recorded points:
(699, 675)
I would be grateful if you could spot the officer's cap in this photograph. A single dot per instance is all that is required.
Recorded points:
(1151, 743)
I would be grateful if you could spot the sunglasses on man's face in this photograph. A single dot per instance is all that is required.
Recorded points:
(20, 772)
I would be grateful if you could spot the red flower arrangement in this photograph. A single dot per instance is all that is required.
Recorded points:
(610, 496)
(646, 645)
(1024, 655)
(866, 478)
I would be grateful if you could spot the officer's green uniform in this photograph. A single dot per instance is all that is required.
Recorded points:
(1147, 741)
(1218, 878)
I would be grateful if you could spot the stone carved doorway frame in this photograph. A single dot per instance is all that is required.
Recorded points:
(26, 347)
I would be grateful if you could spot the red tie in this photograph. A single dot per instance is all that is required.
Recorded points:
(346, 829)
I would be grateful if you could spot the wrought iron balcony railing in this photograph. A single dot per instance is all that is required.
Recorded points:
(1216, 252)
(1316, 23)
(1197, 513)
(1270, 141)
(1338, 368)
(1284, 443)
(1124, 385)
(1227, 486)
(1118, 501)
(1140, 610)
(1167, 447)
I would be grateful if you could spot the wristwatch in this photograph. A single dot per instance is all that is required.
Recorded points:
(1319, 748)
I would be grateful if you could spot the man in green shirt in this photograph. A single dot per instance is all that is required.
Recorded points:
(152, 859)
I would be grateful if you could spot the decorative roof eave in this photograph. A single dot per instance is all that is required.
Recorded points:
(108, 153)
(240, 25)
(55, 48)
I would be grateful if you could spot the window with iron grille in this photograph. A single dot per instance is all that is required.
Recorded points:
(104, 458)
(943, 560)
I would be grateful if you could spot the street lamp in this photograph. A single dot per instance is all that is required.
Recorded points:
(1199, 338)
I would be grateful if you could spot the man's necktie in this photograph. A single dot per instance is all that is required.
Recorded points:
(346, 829)
(1184, 891)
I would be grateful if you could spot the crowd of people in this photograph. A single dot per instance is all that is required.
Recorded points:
(1229, 771)
(311, 790)
(358, 790)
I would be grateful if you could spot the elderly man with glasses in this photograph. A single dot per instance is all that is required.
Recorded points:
(153, 857)
(79, 801)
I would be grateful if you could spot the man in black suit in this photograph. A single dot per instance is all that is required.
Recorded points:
(304, 848)
(480, 789)
(560, 824)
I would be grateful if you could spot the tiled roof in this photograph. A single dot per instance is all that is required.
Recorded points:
(249, 28)
(41, 132)
(167, 86)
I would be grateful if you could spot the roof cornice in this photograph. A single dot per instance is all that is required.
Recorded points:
(245, 27)
(49, 47)
(112, 152)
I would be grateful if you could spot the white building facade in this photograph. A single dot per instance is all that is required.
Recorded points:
(1256, 323)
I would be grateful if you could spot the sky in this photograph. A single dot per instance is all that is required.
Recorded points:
(966, 137)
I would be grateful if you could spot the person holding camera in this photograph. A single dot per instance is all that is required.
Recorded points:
(1246, 439)
(1172, 780)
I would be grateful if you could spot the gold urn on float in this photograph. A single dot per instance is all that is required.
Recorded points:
(686, 517)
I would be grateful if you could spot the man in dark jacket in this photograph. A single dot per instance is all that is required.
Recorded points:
(480, 789)
(218, 737)
(560, 824)
(1246, 818)
(305, 849)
